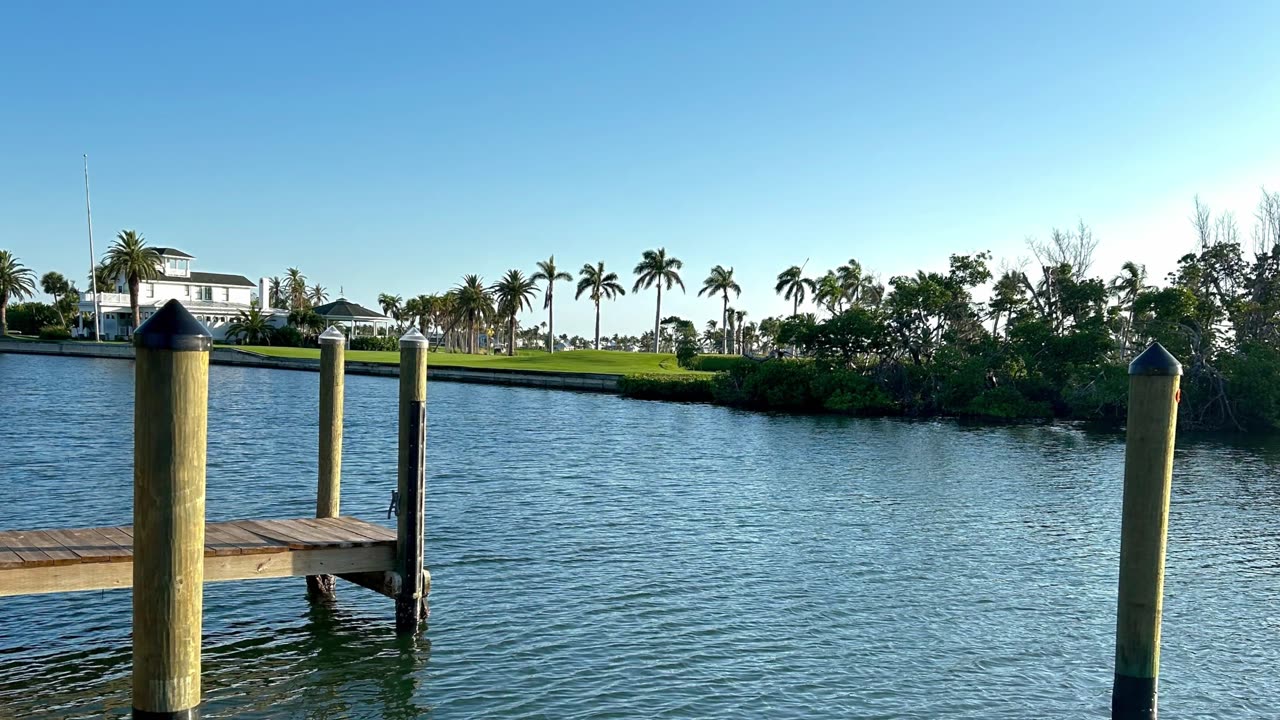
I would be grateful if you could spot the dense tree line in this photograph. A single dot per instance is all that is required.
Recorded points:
(1053, 341)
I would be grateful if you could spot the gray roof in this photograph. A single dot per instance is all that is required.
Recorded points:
(216, 279)
(173, 252)
(344, 308)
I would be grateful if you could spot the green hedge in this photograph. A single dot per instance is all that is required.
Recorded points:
(717, 363)
(385, 344)
(54, 332)
(687, 388)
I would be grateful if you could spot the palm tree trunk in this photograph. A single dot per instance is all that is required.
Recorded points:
(657, 318)
(795, 306)
(133, 302)
(4, 314)
(1129, 330)
(597, 324)
(551, 320)
(511, 347)
(724, 324)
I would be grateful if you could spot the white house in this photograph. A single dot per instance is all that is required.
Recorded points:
(216, 299)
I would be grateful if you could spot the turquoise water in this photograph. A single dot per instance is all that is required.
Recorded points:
(595, 557)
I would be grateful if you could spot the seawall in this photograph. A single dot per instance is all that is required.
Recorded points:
(221, 355)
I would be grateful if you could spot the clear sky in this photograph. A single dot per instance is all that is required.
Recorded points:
(393, 148)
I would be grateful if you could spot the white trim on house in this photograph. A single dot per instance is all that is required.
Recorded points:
(215, 299)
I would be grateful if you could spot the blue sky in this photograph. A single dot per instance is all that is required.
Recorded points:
(395, 148)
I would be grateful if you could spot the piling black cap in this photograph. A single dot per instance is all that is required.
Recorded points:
(172, 328)
(1155, 360)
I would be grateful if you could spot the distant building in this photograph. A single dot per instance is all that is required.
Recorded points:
(352, 317)
(216, 299)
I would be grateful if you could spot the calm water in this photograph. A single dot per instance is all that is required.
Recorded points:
(596, 557)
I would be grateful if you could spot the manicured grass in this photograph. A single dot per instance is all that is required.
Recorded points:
(585, 361)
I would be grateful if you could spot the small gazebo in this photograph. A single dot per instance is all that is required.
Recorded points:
(344, 313)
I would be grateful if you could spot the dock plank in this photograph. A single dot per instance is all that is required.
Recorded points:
(73, 559)
(218, 542)
(333, 528)
(54, 549)
(376, 533)
(250, 543)
(331, 534)
(25, 547)
(267, 531)
(87, 545)
(122, 541)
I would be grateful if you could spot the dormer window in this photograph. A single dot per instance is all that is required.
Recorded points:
(177, 267)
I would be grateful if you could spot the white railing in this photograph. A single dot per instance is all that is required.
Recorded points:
(107, 298)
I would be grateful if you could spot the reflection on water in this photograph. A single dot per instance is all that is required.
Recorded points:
(595, 557)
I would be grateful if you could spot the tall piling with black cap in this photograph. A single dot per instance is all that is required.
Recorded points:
(171, 404)
(329, 483)
(1154, 379)
(411, 483)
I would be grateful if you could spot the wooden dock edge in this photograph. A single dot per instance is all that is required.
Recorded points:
(340, 561)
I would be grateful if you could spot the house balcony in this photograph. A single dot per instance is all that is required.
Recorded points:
(106, 299)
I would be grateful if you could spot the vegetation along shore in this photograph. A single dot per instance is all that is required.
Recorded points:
(1049, 338)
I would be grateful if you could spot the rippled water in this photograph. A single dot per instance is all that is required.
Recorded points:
(595, 557)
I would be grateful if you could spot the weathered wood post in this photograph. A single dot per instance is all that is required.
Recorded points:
(329, 487)
(170, 412)
(411, 482)
(1148, 468)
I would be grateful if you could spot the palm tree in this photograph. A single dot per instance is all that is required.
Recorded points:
(599, 285)
(275, 293)
(252, 325)
(1126, 286)
(548, 271)
(101, 278)
(16, 282)
(446, 318)
(308, 321)
(418, 311)
(1006, 298)
(792, 285)
(859, 288)
(721, 281)
(828, 291)
(473, 305)
(56, 285)
(391, 306)
(738, 316)
(655, 268)
(710, 336)
(514, 292)
(295, 284)
(130, 258)
(317, 295)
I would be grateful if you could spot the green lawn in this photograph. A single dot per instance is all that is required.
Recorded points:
(587, 361)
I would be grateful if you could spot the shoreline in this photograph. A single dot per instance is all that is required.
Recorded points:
(225, 355)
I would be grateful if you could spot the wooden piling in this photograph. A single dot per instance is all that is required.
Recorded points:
(411, 483)
(1148, 468)
(171, 399)
(329, 485)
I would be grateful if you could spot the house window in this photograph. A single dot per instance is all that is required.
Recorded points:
(226, 294)
(151, 290)
(186, 291)
(204, 293)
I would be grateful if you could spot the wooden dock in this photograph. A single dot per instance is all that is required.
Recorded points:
(68, 560)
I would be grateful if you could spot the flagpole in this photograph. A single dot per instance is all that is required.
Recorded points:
(93, 259)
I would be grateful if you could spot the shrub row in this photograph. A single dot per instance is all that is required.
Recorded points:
(653, 386)
(716, 363)
(384, 344)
